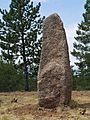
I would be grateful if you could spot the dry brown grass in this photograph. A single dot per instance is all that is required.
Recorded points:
(26, 107)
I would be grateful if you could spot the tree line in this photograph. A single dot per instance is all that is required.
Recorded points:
(81, 50)
(21, 42)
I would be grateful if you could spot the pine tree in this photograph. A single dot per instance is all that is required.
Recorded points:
(19, 41)
(82, 47)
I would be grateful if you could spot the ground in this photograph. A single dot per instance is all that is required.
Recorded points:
(24, 106)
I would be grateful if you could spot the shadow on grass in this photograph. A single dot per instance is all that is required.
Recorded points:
(84, 105)
(75, 104)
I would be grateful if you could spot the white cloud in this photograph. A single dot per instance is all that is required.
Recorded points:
(71, 33)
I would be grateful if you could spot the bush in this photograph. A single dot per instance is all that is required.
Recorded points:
(10, 78)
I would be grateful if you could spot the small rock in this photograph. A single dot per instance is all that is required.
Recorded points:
(82, 112)
(14, 100)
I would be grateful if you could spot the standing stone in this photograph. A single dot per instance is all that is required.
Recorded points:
(54, 75)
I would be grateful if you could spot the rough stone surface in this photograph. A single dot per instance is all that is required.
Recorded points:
(54, 75)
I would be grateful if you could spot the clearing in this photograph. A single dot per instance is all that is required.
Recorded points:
(24, 106)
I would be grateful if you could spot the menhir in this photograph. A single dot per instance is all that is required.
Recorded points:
(54, 75)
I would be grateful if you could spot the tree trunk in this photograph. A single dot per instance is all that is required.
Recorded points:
(25, 65)
(26, 78)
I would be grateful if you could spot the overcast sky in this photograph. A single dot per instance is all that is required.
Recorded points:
(70, 12)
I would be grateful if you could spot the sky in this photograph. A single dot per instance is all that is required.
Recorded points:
(70, 11)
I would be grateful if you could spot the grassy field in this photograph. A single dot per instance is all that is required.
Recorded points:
(24, 106)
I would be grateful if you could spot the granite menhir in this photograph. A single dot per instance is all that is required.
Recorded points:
(54, 75)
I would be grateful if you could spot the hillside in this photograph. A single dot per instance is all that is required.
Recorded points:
(24, 106)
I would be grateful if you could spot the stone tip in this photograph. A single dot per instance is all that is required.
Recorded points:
(55, 14)
(53, 17)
